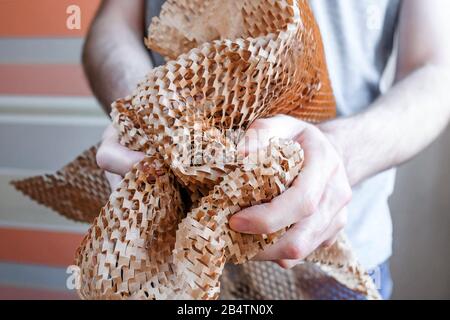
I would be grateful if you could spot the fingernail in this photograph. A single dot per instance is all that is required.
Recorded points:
(240, 224)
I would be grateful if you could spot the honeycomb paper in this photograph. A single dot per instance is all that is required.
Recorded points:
(164, 232)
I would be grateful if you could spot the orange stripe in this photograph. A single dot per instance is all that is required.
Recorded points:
(52, 79)
(43, 18)
(38, 247)
(13, 293)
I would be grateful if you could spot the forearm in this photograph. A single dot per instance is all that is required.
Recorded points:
(114, 56)
(396, 127)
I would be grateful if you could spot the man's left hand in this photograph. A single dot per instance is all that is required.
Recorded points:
(315, 205)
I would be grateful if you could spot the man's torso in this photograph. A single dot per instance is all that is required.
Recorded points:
(358, 39)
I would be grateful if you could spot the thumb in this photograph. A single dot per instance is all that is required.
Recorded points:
(261, 131)
(255, 138)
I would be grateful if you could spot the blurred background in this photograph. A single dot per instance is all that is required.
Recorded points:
(48, 116)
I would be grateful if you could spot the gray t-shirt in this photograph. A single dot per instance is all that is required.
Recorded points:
(358, 38)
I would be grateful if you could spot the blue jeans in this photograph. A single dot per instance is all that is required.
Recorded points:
(381, 275)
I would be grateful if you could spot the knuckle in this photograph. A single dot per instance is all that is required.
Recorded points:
(323, 151)
(260, 222)
(344, 190)
(331, 153)
(310, 205)
(268, 222)
(263, 226)
(333, 157)
(314, 130)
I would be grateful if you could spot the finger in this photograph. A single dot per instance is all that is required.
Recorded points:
(293, 205)
(332, 234)
(299, 201)
(115, 158)
(312, 231)
(260, 133)
(252, 140)
(110, 133)
(338, 224)
(296, 244)
(113, 179)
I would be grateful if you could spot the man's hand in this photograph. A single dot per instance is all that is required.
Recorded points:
(315, 205)
(114, 158)
(115, 60)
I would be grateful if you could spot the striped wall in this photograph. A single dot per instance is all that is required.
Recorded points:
(47, 116)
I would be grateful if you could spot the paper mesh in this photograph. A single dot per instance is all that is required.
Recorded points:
(164, 232)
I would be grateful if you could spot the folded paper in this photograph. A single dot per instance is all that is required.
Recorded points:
(164, 232)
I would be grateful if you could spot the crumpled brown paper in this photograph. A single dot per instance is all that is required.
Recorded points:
(164, 232)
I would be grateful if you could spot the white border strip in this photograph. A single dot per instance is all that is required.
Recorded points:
(82, 228)
(52, 110)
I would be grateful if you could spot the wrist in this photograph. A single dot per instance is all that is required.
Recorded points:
(336, 137)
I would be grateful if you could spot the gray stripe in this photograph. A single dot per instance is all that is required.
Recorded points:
(41, 51)
(153, 8)
(33, 276)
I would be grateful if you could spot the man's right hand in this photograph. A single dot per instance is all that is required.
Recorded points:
(115, 60)
(114, 158)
